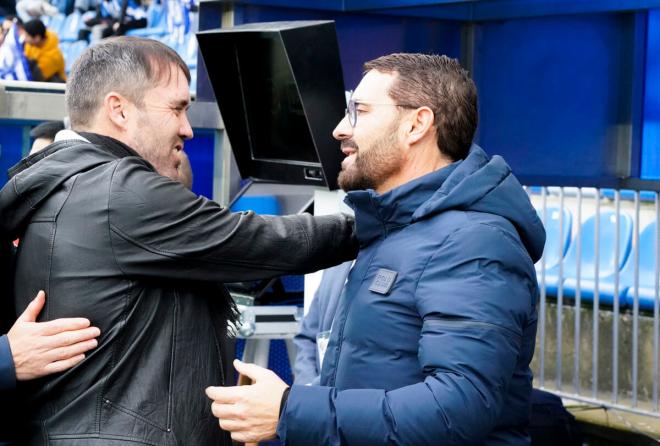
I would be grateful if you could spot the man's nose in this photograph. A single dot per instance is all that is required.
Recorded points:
(343, 130)
(186, 131)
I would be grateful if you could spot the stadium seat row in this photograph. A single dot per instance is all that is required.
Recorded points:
(563, 252)
(68, 27)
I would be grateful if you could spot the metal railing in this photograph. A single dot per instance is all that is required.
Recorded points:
(588, 348)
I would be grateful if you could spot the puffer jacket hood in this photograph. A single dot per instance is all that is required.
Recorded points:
(473, 184)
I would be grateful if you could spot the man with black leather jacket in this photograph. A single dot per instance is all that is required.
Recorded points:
(139, 255)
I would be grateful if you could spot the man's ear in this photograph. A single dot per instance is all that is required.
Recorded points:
(420, 125)
(116, 109)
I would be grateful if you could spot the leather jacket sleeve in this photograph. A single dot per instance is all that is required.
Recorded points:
(159, 228)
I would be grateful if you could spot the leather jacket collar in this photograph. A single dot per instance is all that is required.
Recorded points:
(112, 145)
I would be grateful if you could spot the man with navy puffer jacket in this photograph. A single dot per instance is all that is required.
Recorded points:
(435, 331)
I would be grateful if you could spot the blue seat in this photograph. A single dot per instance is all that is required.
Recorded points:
(189, 51)
(608, 264)
(647, 248)
(554, 240)
(193, 79)
(71, 26)
(156, 23)
(54, 23)
(626, 194)
(74, 51)
(64, 47)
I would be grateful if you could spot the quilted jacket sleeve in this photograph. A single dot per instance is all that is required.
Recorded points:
(7, 372)
(160, 229)
(476, 297)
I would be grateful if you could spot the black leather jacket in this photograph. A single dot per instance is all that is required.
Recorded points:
(109, 239)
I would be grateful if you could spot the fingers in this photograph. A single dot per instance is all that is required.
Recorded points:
(235, 423)
(252, 371)
(70, 351)
(228, 411)
(228, 395)
(66, 338)
(60, 366)
(64, 325)
(34, 308)
(235, 427)
(213, 392)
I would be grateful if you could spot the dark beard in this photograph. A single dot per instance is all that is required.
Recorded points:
(374, 166)
(354, 180)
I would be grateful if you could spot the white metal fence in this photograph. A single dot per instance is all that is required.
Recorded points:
(599, 337)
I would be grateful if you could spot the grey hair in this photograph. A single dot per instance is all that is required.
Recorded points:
(127, 65)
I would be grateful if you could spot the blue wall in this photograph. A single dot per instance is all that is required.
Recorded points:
(552, 88)
(200, 151)
(555, 93)
(11, 148)
(361, 36)
(651, 133)
(366, 36)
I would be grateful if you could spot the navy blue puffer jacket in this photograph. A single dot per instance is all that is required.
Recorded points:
(432, 341)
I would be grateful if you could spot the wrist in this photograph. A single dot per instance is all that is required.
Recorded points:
(285, 397)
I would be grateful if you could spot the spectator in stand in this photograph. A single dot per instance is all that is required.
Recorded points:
(13, 63)
(178, 18)
(5, 26)
(43, 52)
(7, 23)
(33, 9)
(114, 18)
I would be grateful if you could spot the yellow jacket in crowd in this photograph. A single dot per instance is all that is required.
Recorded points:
(48, 57)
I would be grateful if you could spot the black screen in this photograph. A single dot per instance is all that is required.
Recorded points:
(275, 117)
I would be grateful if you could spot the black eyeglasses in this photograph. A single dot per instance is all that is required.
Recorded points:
(351, 110)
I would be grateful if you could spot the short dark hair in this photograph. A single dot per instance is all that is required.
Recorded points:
(47, 129)
(35, 27)
(441, 84)
(128, 65)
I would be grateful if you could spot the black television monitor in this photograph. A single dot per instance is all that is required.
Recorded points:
(280, 90)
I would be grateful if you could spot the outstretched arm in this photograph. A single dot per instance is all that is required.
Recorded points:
(197, 239)
(34, 349)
